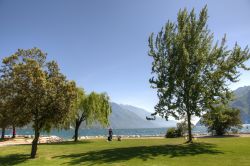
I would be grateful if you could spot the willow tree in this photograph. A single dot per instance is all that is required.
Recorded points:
(39, 90)
(190, 71)
(92, 108)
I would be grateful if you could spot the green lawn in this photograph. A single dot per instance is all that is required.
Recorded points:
(231, 151)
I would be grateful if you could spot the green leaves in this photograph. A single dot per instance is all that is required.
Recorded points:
(92, 108)
(190, 72)
(36, 90)
(221, 118)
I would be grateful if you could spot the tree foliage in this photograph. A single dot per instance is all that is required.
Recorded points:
(37, 91)
(221, 119)
(6, 113)
(190, 71)
(180, 130)
(90, 109)
(171, 133)
(5, 118)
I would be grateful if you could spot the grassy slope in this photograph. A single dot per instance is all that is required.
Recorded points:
(169, 152)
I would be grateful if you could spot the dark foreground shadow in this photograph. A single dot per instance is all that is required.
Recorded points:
(13, 159)
(142, 152)
(218, 136)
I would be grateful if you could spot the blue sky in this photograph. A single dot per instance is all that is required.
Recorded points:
(102, 44)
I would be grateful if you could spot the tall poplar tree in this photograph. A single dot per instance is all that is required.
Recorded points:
(190, 71)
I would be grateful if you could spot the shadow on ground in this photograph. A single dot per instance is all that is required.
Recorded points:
(13, 159)
(222, 136)
(142, 152)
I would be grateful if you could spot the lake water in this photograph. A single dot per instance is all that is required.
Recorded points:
(95, 132)
(67, 134)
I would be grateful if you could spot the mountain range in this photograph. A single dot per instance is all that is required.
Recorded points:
(128, 117)
(131, 117)
(242, 102)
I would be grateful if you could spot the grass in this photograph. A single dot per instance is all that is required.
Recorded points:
(168, 152)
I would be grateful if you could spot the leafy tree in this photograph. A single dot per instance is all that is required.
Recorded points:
(78, 115)
(190, 71)
(91, 108)
(17, 119)
(9, 115)
(5, 118)
(39, 91)
(179, 131)
(221, 118)
(171, 133)
(182, 128)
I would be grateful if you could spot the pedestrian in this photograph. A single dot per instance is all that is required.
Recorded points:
(110, 134)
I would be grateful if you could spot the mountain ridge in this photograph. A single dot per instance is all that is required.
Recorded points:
(241, 101)
(127, 116)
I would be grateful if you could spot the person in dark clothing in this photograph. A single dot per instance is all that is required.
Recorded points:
(110, 134)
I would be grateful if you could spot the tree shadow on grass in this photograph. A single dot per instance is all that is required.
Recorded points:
(13, 159)
(142, 152)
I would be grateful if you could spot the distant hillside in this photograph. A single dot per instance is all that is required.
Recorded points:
(242, 91)
(130, 117)
(124, 119)
(160, 122)
(242, 102)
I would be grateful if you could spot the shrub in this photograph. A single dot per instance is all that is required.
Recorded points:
(171, 133)
(182, 128)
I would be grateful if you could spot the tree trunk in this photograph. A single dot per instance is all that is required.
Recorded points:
(189, 128)
(3, 133)
(14, 132)
(34, 144)
(76, 130)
